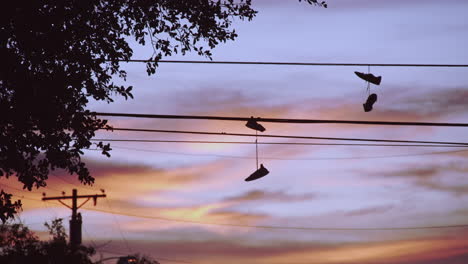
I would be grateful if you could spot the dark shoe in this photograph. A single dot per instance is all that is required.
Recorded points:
(258, 174)
(369, 77)
(370, 102)
(252, 123)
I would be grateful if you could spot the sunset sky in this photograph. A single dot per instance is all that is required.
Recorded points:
(168, 198)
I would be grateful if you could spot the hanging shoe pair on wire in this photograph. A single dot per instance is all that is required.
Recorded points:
(262, 171)
(372, 98)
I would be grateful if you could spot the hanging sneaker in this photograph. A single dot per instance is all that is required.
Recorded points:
(370, 102)
(261, 172)
(369, 77)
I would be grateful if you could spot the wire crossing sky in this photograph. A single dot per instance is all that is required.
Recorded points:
(283, 120)
(304, 63)
(282, 136)
(275, 143)
(262, 226)
(181, 148)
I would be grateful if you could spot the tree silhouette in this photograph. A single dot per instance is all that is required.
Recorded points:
(20, 245)
(56, 55)
(7, 207)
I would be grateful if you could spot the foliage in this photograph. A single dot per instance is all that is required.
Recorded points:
(315, 2)
(57, 55)
(17, 240)
(141, 259)
(7, 207)
(57, 231)
(20, 245)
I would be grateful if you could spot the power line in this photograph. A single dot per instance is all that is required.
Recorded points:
(274, 143)
(283, 136)
(303, 63)
(23, 190)
(276, 227)
(108, 205)
(90, 237)
(33, 199)
(157, 258)
(283, 227)
(120, 229)
(11, 187)
(303, 159)
(63, 179)
(284, 120)
(70, 183)
(75, 222)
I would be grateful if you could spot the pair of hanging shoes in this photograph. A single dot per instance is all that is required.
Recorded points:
(369, 77)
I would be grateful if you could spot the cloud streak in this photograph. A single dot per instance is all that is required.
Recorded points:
(440, 177)
(261, 196)
(230, 252)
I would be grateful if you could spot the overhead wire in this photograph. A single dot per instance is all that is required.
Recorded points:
(54, 213)
(93, 243)
(452, 144)
(56, 216)
(273, 227)
(71, 183)
(118, 226)
(156, 257)
(274, 143)
(283, 120)
(108, 205)
(91, 238)
(11, 187)
(293, 159)
(300, 63)
(283, 227)
(22, 196)
(284, 136)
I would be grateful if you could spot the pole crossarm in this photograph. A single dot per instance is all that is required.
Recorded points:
(76, 220)
(71, 197)
(284, 120)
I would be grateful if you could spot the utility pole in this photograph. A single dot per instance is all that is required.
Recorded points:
(76, 221)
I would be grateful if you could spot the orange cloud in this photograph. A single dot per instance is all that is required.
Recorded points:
(259, 195)
(430, 250)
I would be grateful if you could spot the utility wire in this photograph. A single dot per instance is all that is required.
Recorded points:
(157, 258)
(283, 227)
(273, 143)
(283, 136)
(13, 188)
(45, 188)
(285, 120)
(76, 185)
(120, 229)
(89, 236)
(63, 179)
(302, 63)
(303, 159)
(275, 227)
